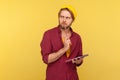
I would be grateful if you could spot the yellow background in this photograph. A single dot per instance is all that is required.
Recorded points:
(23, 22)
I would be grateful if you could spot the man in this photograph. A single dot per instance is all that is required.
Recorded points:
(60, 44)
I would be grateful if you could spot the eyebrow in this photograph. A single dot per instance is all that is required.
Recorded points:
(67, 17)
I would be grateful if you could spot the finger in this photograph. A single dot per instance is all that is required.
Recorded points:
(73, 61)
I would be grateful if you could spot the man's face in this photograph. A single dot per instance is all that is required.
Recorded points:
(65, 19)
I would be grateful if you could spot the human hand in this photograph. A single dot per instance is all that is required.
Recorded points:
(67, 43)
(77, 61)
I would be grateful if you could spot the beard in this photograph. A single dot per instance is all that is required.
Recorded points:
(64, 26)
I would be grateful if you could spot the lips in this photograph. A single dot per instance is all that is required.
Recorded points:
(64, 23)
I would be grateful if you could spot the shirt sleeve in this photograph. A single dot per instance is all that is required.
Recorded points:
(45, 47)
(80, 53)
(80, 47)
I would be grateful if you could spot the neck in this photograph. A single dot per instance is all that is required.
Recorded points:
(67, 30)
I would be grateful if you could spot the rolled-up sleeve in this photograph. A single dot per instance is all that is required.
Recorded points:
(45, 47)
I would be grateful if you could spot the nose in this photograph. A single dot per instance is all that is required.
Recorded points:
(64, 19)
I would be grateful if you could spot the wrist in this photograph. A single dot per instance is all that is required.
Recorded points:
(64, 49)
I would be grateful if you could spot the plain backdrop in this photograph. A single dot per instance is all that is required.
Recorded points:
(23, 22)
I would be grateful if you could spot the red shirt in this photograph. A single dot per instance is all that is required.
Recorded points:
(60, 70)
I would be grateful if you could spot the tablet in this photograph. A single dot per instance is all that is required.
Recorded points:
(69, 60)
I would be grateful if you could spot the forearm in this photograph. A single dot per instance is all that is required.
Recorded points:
(56, 55)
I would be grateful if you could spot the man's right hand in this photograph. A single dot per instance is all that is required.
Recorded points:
(67, 43)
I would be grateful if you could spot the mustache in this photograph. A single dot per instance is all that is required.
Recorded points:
(64, 23)
(64, 28)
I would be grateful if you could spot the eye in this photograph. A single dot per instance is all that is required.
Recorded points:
(61, 16)
(68, 17)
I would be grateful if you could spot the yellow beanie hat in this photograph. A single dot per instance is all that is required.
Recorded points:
(71, 9)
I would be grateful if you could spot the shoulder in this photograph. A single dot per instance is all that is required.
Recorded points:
(51, 31)
(76, 35)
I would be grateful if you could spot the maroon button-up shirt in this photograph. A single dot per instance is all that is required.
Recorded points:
(60, 70)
